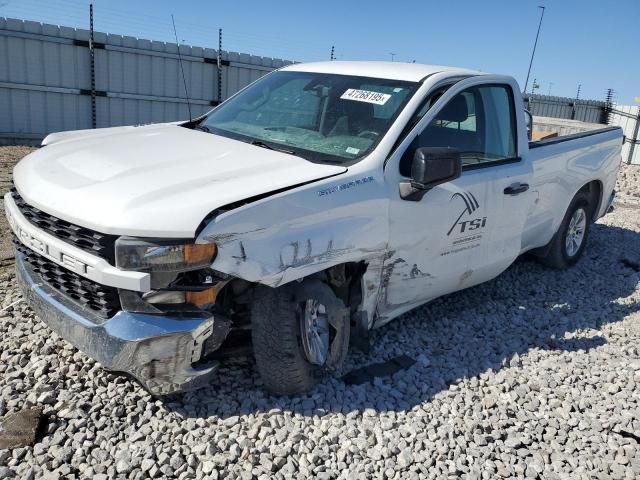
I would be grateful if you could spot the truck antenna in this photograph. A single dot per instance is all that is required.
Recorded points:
(535, 44)
(184, 80)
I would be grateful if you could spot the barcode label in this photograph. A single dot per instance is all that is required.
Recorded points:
(366, 96)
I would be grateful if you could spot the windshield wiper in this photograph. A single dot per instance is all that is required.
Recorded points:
(259, 143)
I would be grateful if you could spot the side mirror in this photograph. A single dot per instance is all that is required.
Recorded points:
(431, 166)
(529, 123)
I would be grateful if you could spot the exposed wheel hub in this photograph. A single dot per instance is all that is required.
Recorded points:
(314, 330)
(575, 232)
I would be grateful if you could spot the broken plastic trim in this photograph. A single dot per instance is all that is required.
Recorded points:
(378, 370)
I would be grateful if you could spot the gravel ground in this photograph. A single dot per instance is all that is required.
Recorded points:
(535, 374)
(8, 157)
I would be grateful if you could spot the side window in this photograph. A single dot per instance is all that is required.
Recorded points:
(420, 112)
(469, 123)
(499, 118)
(480, 122)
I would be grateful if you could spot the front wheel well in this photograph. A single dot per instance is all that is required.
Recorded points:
(345, 281)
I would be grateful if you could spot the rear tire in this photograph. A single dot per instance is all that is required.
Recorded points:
(284, 358)
(568, 244)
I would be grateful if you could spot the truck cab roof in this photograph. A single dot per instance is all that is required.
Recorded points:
(411, 72)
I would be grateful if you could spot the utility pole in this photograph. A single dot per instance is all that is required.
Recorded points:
(550, 85)
(535, 44)
(608, 108)
(393, 56)
(534, 85)
(332, 50)
(92, 66)
(573, 109)
(219, 65)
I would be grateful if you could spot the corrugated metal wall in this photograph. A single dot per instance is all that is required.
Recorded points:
(629, 125)
(45, 79)
(38, 78)
(45, 83)
(590, 111)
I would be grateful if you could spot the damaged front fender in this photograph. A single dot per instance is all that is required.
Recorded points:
(297, 233)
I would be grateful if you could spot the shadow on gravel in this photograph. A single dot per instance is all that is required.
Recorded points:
(527, 309)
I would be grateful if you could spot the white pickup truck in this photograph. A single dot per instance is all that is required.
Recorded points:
(318, 203)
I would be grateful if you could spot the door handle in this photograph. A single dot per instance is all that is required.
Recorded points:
(516, 189)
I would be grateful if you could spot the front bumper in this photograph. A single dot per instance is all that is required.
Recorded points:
(157, 351)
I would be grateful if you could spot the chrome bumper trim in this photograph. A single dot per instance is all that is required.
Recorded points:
(157, 351)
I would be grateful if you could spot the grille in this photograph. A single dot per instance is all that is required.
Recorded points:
(101, 299)
(98, 244)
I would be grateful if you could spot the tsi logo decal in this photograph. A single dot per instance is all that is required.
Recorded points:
(469, 207)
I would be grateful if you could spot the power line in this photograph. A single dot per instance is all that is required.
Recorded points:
(149, 26)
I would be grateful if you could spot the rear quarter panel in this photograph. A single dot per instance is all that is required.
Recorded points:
(560, 170)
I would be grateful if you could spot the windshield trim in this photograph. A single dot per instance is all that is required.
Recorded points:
(320, 157)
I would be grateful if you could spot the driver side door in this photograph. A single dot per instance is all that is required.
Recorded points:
(442, 243)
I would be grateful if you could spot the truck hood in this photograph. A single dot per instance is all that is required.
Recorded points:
(152, 181)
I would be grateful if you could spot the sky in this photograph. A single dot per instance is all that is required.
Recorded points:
(592, 43)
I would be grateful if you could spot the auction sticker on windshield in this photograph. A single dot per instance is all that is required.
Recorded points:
(366, 96)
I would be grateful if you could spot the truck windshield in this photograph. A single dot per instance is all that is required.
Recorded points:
(320, 117)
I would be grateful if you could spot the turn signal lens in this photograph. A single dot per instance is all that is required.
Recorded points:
(202, 298)
(199, 253)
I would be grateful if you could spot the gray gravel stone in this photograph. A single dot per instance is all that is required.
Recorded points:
(6, 472)
(146, 464)
(208, 467)
(532, 375)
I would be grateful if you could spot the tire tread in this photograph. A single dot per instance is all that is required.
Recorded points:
(276, 344)
(554, 253)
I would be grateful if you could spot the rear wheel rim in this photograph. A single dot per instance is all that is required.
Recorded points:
(314, 329)
(575, 232)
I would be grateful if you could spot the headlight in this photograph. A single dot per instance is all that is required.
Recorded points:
(160, 256)
(180, 277)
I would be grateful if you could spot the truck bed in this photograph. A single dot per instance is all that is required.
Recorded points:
(567, 138)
